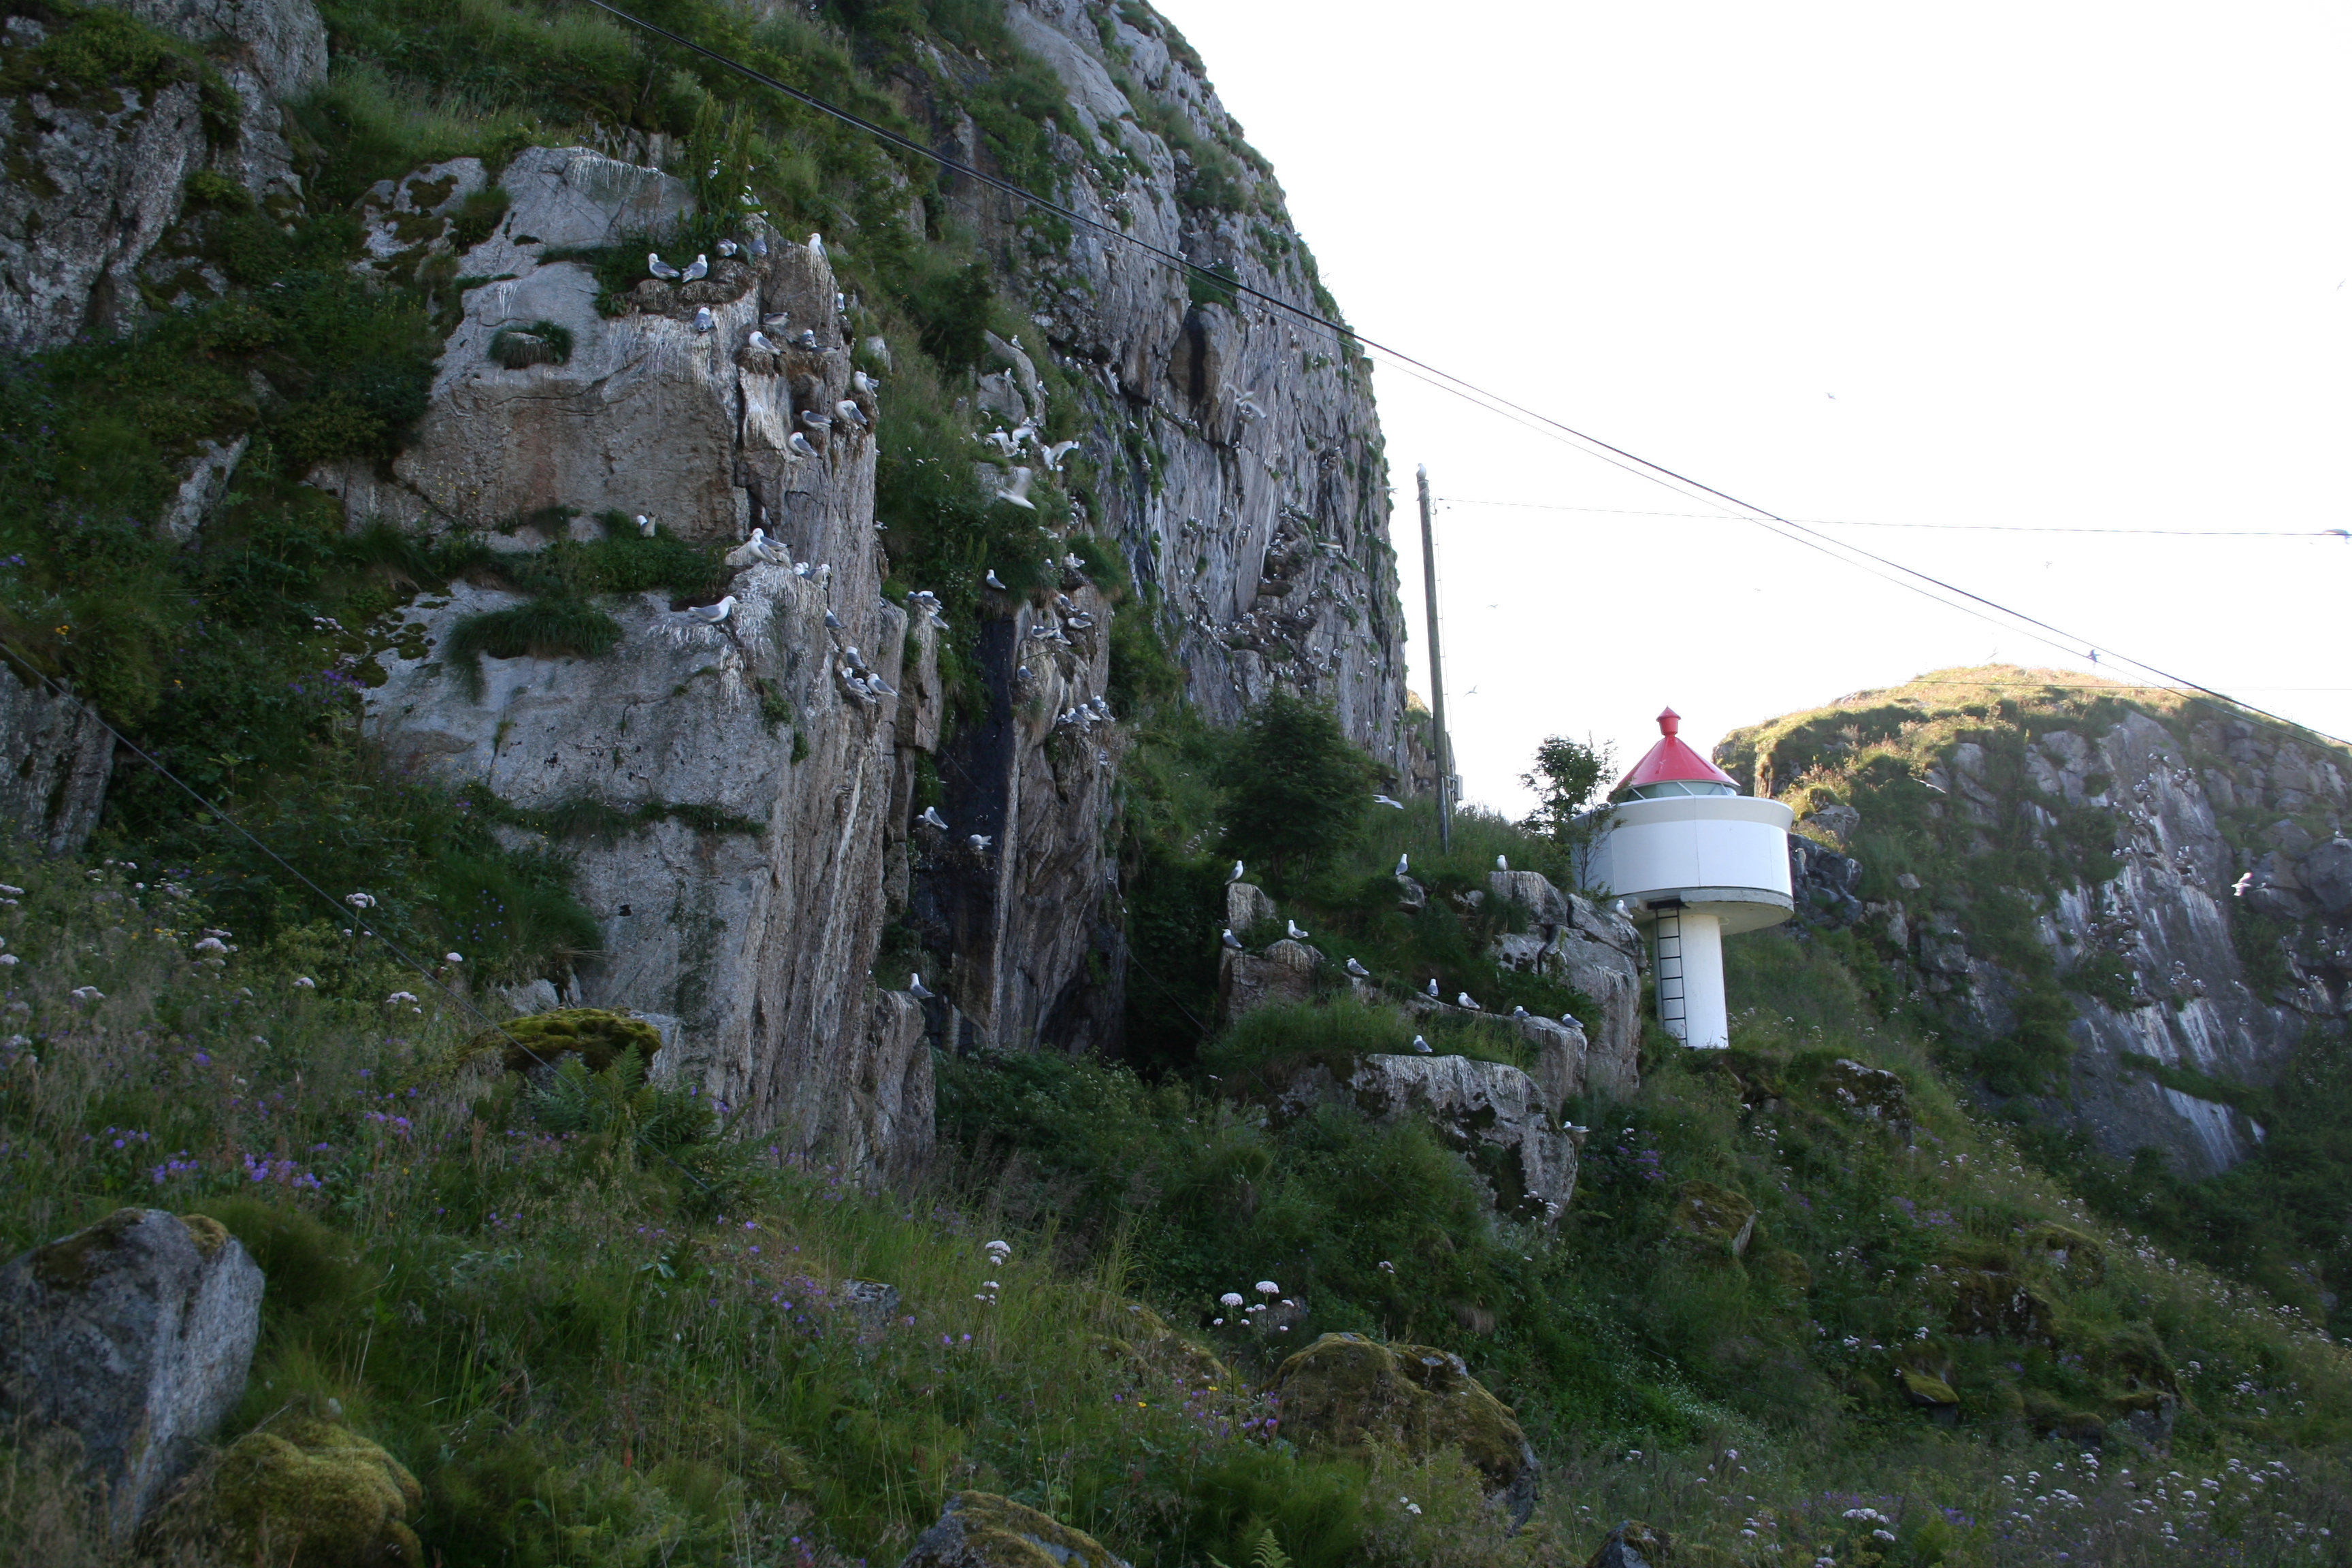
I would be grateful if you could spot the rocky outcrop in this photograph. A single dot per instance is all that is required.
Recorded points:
(309, 1492)
(1492, 1112)
(2190, 892)
(135, 1334)
(981, 1530)
(98, 168)
(1351, 1394)
(1594, 950)
(60, 759)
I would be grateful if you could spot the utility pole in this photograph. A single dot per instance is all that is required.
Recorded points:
(1437, 677)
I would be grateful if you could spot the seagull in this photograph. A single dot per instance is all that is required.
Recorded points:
(1400, 864)
(840, 304)
(1462, 999)
(850, 411)
(915, 988)
(1383, 800)
(658, 268)
(1101, 705)
(698, 269)
(816, 246)
(704, 321)
(832, 622)
(644, 526)
(979, 842)
(879, 687)
(1519, 1012)
(855, 659)
(815, 421)
(2241, 884)
(776, 321)
(1421, 1045)
(1016, 490)
(765, 549)
(1358, 970)
(1005, 445)
(993, 581)
(1022, 673)
(1248, 409)
(711, 615)
(800, 448)
(1293, 931)
(1433, 986)
(726, 249)
(1056, 452)
(807, 340)
(1231, 941)
(759, 244)
(1502, 862)
(760, 341)
(931, 818)
(1236, 873)
(861, 382)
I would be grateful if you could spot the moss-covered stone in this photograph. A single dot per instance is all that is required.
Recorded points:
(1715, 1216)
(1349, 1394)
(597, 1035)
(1784, 1269)
(1995, 1304)
(317, 1495)
(1154, 1349)
(2079, 1257)
(1925, 1389)
(981, 1530)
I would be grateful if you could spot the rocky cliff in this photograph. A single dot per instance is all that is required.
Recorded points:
(2127, 908)
(762, 756)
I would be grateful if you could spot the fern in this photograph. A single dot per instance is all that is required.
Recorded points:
(1269, 1553)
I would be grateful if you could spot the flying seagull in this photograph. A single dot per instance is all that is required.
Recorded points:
(1231, 941)
(915, 988)
(2241, 884)
(704, 321)
(1016, 490)
(1056, 452)
(931, 818)
(1383, 800)
(695, 270)
(1358, 970)
(658, 268)
(980, 843)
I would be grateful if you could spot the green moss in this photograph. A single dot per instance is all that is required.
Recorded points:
(981, 1530)
(542, 628)
(597, 1035)
(314, 1494)
(541, 342)
(1351, 1394)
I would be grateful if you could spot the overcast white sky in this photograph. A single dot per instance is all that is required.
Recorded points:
(2049, 265)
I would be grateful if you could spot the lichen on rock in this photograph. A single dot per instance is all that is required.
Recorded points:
(981, 1530)
(1717, 1216)
(595, 1035)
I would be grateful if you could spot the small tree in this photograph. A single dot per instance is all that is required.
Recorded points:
(1567, 777)
(1295, 790)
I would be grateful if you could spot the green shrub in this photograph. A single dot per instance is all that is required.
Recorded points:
(1295, 788)
(541, 342)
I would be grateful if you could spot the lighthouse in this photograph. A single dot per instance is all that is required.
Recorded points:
(1694, 861)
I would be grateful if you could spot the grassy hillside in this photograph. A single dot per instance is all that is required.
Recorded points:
(592, 1350)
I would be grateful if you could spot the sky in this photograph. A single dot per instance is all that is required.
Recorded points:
(1971, 271)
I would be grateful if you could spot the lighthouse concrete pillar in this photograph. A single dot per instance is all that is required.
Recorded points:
(1686, 959)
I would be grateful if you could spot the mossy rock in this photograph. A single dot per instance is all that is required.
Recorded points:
(2081, 1258)
(1634, 1544)
(1715, 1216)
(1925, 1389)
(981, 1530)
(1868, 1093)
(597, 1035)
(1784, 1269)
(1155, 1349)
(1349, 1394)
(1992, 1304)
(320, 1495)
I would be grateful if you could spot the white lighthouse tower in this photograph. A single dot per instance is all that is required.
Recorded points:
(1694, 861)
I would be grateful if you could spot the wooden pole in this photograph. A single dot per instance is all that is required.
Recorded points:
(1437, 677)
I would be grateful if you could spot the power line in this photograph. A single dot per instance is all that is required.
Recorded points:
(357, 913)
(1656, 472)
(2336, 533)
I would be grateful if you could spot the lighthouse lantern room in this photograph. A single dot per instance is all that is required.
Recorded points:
(1694, 861)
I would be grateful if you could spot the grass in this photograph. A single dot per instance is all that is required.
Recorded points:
(540, 629)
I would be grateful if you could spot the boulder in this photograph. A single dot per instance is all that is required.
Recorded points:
(1717, 1216)
(981, 1530)
(1925, 1391)
(136, 1334)
(597, 1035)
(1349, 1394)
(1593, 948)
(1246, 904)
(314, 1494)
(1148, 1344)
(1491, 1112)
(1827, 885)
(1993, 1303)
(1285, 973)
(2067, 1250)
(1872, 1094)
(1632, 1545)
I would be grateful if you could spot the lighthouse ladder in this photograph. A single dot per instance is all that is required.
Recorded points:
(1669, 943)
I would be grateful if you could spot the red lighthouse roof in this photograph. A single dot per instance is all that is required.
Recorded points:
(1672, 761)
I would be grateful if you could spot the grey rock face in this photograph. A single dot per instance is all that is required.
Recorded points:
(136, 1334)
(1285, 973)
(61, 757)
(102, 173)
(1598, 952)
(1491, 1112)
(1827, 884)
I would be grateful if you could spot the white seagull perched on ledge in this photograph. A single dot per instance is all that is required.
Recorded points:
(1293, 931)
(711, 615)
(1421, 1045)
(704, 321)
(1231, 941)
(760, 342)
(799, 446)
(851, 412)
(1401, 859)
(698, 269)
(915, 989)
(1358, 970)
(1433, 985)
(658, 268)
(931, 818)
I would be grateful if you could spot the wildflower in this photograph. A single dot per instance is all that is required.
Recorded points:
(304, 983)
(1888, 1536)
(453, 958)
(1268, 1288)
(212, 944)
(1230, 1299)
(87, 994)
(998, 1251)
(1386, 1267)
(359, 901)
(400, 997)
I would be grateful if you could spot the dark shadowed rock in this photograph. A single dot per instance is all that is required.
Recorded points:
(981, 1530)
(2327, 875)
(136, 1334)
(1632, 1544)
